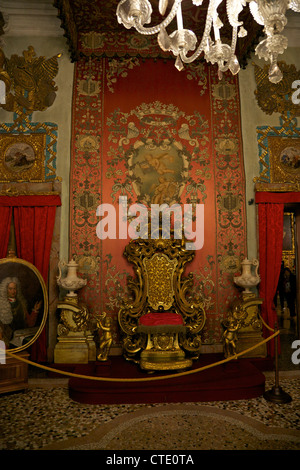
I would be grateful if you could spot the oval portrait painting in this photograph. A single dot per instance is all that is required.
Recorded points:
(23, 303)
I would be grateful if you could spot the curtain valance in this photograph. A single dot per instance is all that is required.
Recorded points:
(30, 200)
(266, 197)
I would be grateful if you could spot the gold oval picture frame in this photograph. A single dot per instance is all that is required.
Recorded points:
(23, 303)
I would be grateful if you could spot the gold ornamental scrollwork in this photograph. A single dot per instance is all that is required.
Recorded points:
(160, 271)
(276, 97)
(74, 318)
(29, 81)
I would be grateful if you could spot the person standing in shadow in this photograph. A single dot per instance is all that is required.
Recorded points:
(289, 283)
(280, 288)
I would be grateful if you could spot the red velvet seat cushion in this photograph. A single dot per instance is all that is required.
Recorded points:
(161, 318)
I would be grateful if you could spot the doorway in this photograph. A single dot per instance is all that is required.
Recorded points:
(287, 299)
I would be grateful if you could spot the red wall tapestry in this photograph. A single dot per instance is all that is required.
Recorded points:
(143, 130)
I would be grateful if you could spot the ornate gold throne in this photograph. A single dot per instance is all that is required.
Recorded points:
(161, 321)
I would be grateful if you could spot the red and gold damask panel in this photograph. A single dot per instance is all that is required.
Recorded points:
(143, 130)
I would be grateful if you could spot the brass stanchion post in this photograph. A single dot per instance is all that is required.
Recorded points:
(276, 394)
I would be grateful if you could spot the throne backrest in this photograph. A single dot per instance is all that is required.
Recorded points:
(159, 273)
(159, 265)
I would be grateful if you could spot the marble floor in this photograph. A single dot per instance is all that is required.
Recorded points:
(45, 418)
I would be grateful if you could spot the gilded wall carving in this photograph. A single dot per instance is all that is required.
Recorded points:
(279, 146)
(28, 149)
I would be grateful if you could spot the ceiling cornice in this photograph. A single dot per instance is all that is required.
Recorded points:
(30, 18)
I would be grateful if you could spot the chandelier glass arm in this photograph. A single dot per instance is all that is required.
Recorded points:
(204, 44)
(271, 14)
(155, 29)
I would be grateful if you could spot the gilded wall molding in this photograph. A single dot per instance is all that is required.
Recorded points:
(277, 187)
(278, 153)
(279, 146)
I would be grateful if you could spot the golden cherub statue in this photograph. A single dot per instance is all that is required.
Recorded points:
(104, 324)
(230, 336)
(232, 324)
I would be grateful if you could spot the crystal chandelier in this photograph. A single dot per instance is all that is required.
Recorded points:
(269, 13)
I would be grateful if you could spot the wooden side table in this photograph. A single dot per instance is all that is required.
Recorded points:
(14, 374)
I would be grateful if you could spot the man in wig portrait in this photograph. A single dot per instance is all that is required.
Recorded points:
(16, 321)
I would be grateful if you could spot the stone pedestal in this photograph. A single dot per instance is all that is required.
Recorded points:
(75, 344)
(250, 333)
(91, 345)
(72, 349)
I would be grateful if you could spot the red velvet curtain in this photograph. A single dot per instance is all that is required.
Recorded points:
(270, 224)
(270, 217)
(5, 217)
(34, 218)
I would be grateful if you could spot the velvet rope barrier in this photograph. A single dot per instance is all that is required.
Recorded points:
(267, 326)
(146, 379)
